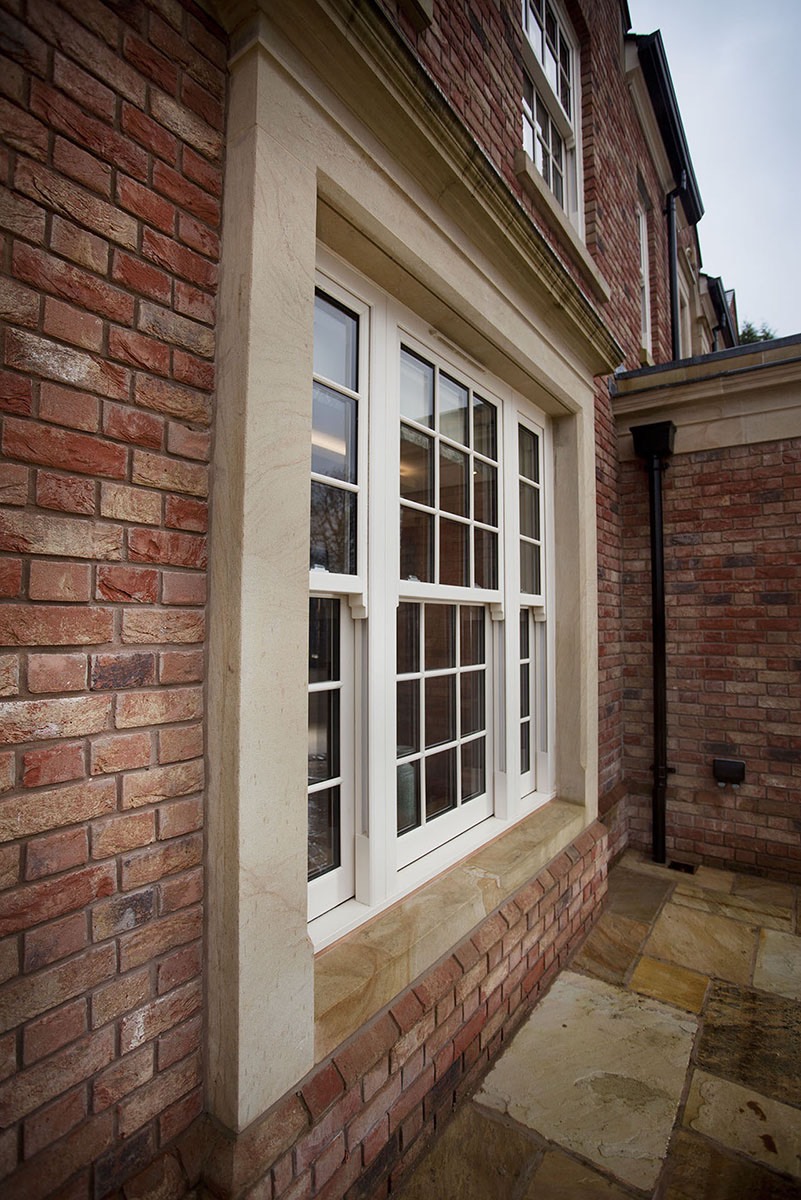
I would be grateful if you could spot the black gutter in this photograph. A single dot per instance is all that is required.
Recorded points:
(717, 294)
(654, 443)
(673, 271)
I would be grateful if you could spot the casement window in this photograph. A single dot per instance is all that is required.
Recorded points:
(429, 684)
(645, 277)
(550, 102)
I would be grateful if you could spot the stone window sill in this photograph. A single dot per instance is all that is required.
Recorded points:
(357, 976)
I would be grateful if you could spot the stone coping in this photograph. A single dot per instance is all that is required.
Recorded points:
(356, 977)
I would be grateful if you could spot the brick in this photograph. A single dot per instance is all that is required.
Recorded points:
(42, 1175)
(161, 783)
(193, 302)
(151, 63)
(71, 283)
(181, 890)
(183, 587)
(75, 41)
(172, 399)
(22, 132)
(122, 1160)
(154, 1097)
(42, 901)
(126, 831)
(51, 360)
(73, 325)
(325, 1086)
(63, 406)
(365, 1050)
(110, 672)
(180, 666)
(186, 126)
(182, 513)
(32, 533)
(9, 865)
(62, 581)
(49, 1033)
(159, 1015)
(120, 996)
(169, 474)
(22, 45)
(84, 168)
(198, 236)
(53, 1122)
(122, 913)
(177, 259)
(21, 216)
(10, 577)
(195, 372)
(56, 808)
(51, 446)
(80, 86)
(57, 940)
(76, 203)
(54, 625)
(69, 1066)
(53, 764)
(180, 817)
(159, 707)
(178, 1043)
(179, 966)
(141, 277)
(9, 675)
(139, 351)
(149, 133)
(56, 852)
(176, 330)
(157, 546)
(167, 858)
(13, 484)
(18, 304)
(27, 997)
(66, 493)
(120, 752)
(146, 626)
(122, 1078)
(81, 247)
(180, 744)
(186, 195)
(127, 585)
(56, 673)
(146, 204)
(159, 937)
(132, 425)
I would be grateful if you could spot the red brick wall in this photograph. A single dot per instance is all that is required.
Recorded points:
(366, 1114)
(111, 170)
(732, 559)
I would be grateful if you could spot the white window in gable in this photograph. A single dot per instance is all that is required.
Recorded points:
(550, 101)
(645, 278)
(428, 660)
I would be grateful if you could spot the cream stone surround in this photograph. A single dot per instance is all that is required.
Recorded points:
(732, 398)
(372, 179)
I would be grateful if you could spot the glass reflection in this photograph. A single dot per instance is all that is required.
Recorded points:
(474, 769)
(333, 434)
(440, 783)
(454, 553)
(529, 568)
(453, 410)
(333, 529)
(486, 556)
(485, 437)
(408, 623)
(416, 545)
(416, 466)
(336, 342)
(440, 709)
(440, 636)
(323, 639)
(417, 388)
(485, 484)
(471, 621)
(472, 710)
(324, 841)
(323, 736)
(528, 449)
(408, 717)
(453, 481)
(408, 802)
(529, 511)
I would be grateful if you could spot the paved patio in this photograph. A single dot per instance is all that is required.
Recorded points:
(664, 1063)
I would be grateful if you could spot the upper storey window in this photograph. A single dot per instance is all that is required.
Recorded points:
(550, 86)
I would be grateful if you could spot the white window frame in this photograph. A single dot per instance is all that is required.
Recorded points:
(566, 123)
(641, 217)
(386, 865)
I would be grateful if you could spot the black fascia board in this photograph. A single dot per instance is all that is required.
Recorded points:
(718, 294)
(653, 60)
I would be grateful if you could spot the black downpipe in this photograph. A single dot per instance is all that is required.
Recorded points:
(654, 443)
(673, 267)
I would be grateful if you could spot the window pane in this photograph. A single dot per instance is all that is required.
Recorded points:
(524, 643)
(323, 639)
(416, 466)
(529, 568)
(408, 717)
(323, 736)
(336, 342)
(472, 702)
(408, 796)
(453, 481)
(529, 454)
(529, 511)
(333, 529)
(440, 783)
(471, 619)
(486, 547)
(417, 389)
(525, 747)
(440, 636)
(525, 690)
(485, 432)
(454, 553)
(333, 434)
(440, 709)
(408, 638)
(453, 409)
(473, 769)
(417, 545)
(324, 852)
(485, 481)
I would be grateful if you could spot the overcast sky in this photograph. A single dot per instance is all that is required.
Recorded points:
(737, 74)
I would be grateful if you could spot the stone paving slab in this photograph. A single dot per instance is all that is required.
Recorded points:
(753, 1038)
(699, 1170)
(746, 1121)
(778, 964)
